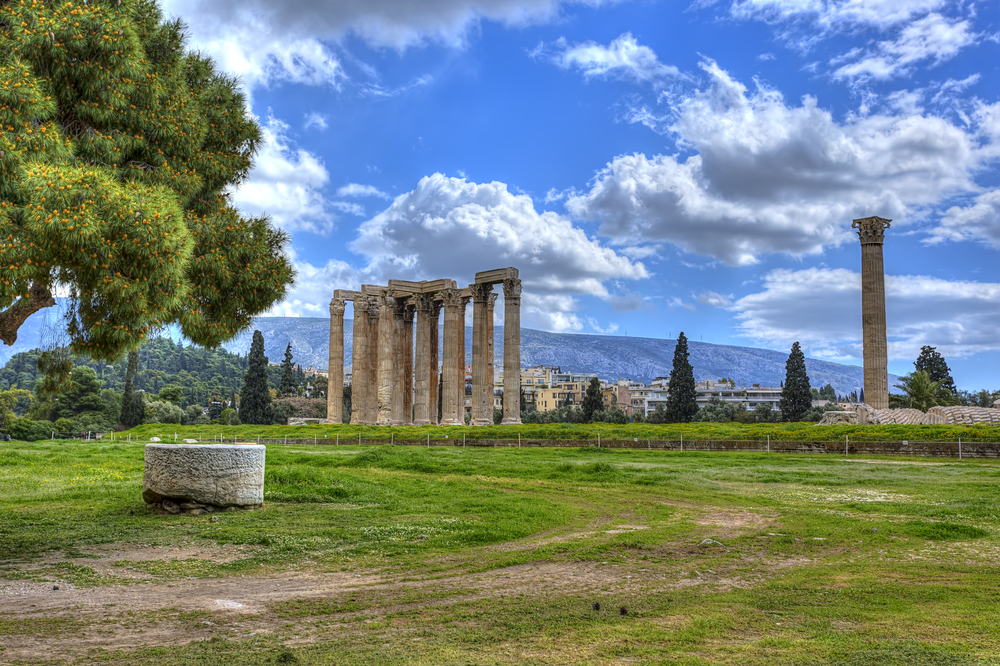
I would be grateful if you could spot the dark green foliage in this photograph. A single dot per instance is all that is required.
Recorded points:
(931, 362)
(288, 384)
(256, 394)
(658, 415)
(346, 402)
(796, 397)
(682, 401)
(132, 407)
(592, 400)
(718, 410)
(497, 416)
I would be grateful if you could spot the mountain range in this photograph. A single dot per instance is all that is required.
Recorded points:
(611, 357)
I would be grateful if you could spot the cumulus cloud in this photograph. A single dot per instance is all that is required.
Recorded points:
(285, 184)
(317, 120)
(766, 176)
(623, 58)
(933, 37)
(715, 299)
(979, 221)
(821, 308)
(264, 41)
(449, 227)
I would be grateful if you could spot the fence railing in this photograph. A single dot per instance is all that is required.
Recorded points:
(847, 447)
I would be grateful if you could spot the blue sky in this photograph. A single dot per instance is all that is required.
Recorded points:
(651, 167)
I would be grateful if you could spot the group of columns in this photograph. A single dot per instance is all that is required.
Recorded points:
(395, 379)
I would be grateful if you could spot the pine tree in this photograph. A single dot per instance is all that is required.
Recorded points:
(255, 407)
(931, 362)
(288, 383)
(796, 396)
(133, 407)
(682, 401)
(115, 172)
(592, 400)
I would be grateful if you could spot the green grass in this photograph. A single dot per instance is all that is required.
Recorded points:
(823, 560)
(588, 432)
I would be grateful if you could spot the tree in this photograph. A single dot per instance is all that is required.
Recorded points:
(592, 401)
(256, 395)
(346, 402)
(921, 392)
(116, 169)
(931, 362)
(288, 383)
(682, 402)
(132, 404)
(796, 396)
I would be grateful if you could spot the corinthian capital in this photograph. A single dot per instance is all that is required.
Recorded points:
(481, 292)
(512, 289)
(337, 306)
(871, 230)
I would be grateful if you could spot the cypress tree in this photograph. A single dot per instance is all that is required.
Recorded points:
(133, 408)
(931, 362)
(119, 152)
(255, 407)
(682, 401)
(796, 396)
(288, 383)
(592, 400)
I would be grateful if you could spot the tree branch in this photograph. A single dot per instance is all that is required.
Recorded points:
(11, 319)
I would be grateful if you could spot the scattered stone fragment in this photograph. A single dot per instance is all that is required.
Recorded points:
(191, 505)
(711, 542)
(190, 441)
(154, 439)
(55, 587)
(170, 506)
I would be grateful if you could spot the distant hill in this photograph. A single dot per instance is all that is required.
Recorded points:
(611, 357)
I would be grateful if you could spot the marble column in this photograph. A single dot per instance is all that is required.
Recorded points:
(449, 393)
(359, 361)
(460, 359)
(511, 351)
(480, 347)
(371, 393)
(871, 233)
(422, 364)
(408, 313)
(399, 361)
(335, 365)
(434, 357)
(386, 358)
(491, 373)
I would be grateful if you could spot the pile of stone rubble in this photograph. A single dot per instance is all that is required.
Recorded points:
(957, 415)
(168, 507)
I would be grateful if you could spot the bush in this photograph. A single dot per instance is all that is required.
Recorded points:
(720, 411)
(612, 415)
(195, 415)
(764, 413)
(280, 411)
(163, 412)
(27, 430)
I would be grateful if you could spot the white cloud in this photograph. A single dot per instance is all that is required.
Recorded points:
(623, 58)
(349, 207)
(979, 221)
(836, 15)
(285, 183)
(714, 299)
(317, 120)
(933, 37)
(265, 41)
(821, 308)
(360, 191)
(449, 227)
(768, 177)
(605, 330)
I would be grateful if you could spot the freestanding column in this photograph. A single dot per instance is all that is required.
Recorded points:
(421, 397)
(335, 367)
(371, 394)
(434, 358)
(408, 313)
(460, 358)
(449, 372)
(871, 232)
(398, 362)
(359, 361)
(386, 358)
(480, 298)
(511, 351)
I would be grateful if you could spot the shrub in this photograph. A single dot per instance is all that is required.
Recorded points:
(27, 430)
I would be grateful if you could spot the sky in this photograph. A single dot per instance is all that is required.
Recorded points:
(650, 167)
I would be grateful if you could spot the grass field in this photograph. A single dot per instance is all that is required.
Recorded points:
(407, 555)
(585, 432)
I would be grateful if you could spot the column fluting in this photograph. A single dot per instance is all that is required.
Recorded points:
(335, 365)
(359, 361)
(871, 233)
(511, 351)
(422, 365)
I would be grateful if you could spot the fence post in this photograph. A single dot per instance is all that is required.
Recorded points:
(598, 440)
(959, 448)
(847, 444)
(428, 440)
(392, 438)
(53, 434)
(682, 442)
(463, 440)
(768, 443)
(286, 440)
(518, 440)
(359, 438)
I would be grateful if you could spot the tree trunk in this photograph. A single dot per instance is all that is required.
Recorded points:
(11, 319)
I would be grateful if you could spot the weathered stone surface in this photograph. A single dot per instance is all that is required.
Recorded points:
(839, 418)
(223, 475)
(871, 233)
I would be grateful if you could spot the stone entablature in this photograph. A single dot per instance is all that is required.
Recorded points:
(396, 382)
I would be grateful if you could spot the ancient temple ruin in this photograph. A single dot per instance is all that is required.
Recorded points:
(396, 381)
(871, 233)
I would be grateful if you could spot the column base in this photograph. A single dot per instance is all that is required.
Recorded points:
(482, 422)
(453, 423)
(511, 421)
(421, 422)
